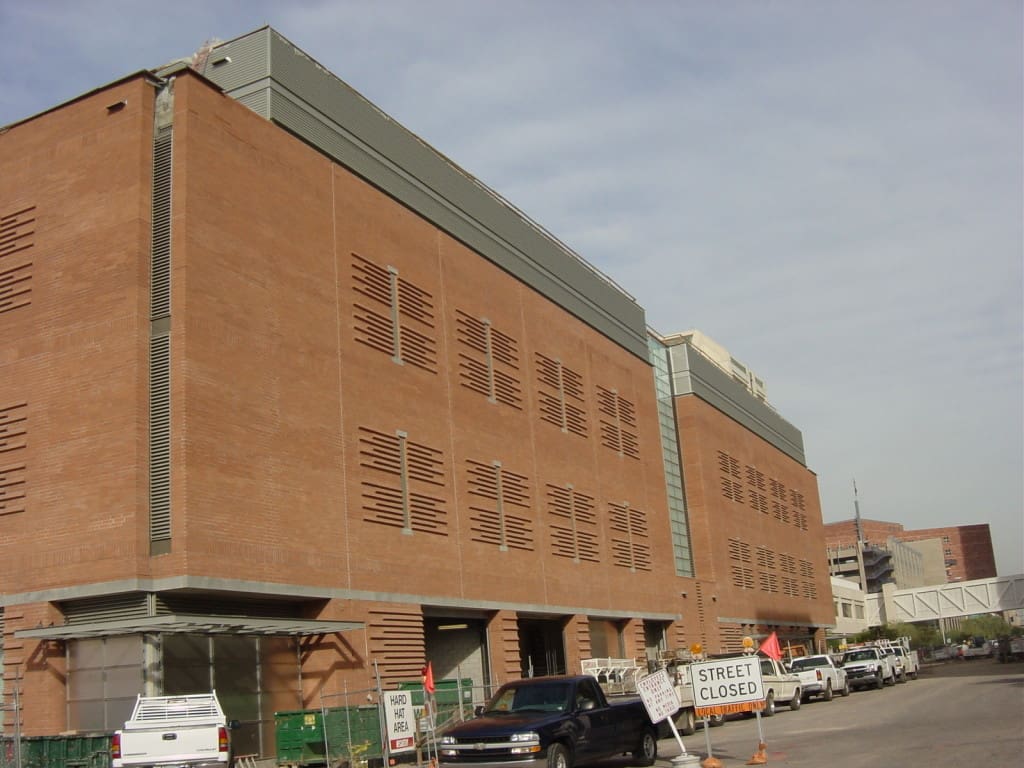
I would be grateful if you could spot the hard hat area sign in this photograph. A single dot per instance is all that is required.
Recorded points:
(726, 681)
(401, 721)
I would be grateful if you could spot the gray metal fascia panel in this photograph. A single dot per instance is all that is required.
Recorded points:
(312, 103)
(694, 374)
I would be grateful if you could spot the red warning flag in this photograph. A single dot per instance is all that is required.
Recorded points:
(770, 647)
(428, 677)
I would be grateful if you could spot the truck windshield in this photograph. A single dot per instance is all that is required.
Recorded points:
(808, 663)
(859, 656)
(536, 697)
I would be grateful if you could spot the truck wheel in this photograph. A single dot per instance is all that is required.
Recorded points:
(827, 695)
(558, 757)
(794, 703)
(913, 675)
(903, 677)
(879, 680)
(646, 751)
(716, 721)
(686, 722)
(769, 704)
(846, 689)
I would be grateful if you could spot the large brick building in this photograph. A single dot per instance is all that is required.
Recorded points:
(287, 398)
(966, 549)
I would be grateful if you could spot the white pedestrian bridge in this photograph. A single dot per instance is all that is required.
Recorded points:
(946, 601)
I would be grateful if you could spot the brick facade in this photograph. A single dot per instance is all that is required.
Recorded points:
(369, 422)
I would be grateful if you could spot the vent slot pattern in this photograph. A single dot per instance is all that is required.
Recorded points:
(790, 587)
(739, 550)
(632, 549)
(494, 517)
(396, 637)
(17, 230)
(160, 438)
(160, 288)
(806, 568)
(742, 577)
(618, 430)
(12, 488)
(769, 582)
(765, 558)
(393, 315)
(787, 563)
(491, 364)
(778, 490)
(758, 502)
(160, 340)
(574, 535)
(399, 467)
(756, 479)
(13, 469)
(560, 396)
(810, 590)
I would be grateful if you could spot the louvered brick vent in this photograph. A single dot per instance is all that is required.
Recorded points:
(17, 238)
(13, 466)
(618, 423)
(488, 361)
(393, 316)
(630, 537)
(560, 396)
(396, 638)
(499, 513)
(403, 478)
(574, 531)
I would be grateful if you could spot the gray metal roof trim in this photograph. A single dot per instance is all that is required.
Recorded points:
(398, 161)
(191, 624)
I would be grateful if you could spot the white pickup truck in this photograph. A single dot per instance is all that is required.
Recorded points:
(868, 666)
(177, 731)
(819, 676)
(905, 660)
(779, 686)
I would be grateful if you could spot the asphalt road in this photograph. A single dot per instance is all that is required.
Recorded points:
(957, 713)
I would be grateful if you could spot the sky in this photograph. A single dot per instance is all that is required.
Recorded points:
(832, 190)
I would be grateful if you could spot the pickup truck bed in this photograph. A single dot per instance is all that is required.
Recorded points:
(173, 731)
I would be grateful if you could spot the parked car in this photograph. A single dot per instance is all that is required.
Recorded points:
(820, 676)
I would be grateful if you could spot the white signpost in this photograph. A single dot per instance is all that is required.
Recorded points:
(660, 700)
(401, 721)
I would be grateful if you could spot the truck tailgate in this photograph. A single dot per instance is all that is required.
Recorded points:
(174, 745)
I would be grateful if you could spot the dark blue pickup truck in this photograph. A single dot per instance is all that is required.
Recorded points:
(550, 722)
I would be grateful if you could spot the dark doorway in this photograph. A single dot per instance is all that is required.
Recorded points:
(541, 647)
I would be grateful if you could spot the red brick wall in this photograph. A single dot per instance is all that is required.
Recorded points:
(727, 533)
(74, 183)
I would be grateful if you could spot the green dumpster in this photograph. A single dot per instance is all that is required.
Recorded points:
(86, 750)
(353, 735)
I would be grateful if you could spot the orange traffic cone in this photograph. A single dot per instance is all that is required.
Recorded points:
(711, 762)
(760, 757)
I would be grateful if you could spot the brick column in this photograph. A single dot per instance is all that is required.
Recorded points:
(503, 646)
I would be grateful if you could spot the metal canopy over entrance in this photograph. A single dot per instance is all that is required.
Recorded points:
(192, 624)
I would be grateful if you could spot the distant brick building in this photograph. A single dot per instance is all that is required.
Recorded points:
(967, 549)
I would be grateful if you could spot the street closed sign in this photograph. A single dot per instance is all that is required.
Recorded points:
(724, 686)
